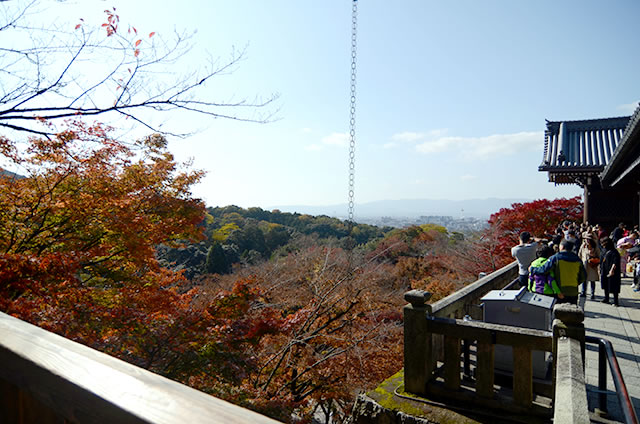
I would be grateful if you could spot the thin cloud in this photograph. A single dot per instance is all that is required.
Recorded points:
(336, 139)
(484, 147)
(333, 139)
(467, 177)
(313, 147)
(629, 107)
(412, 137)
(389, 145)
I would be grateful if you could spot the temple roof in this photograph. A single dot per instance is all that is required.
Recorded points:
(625, 161)
(575, 149)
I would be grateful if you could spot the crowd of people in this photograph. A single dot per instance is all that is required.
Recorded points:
(569, 263)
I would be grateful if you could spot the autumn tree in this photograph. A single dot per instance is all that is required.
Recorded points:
(490, 249)
(539, 217)
(78, 233)
(57, 70)
(326, 332)
(479, 252)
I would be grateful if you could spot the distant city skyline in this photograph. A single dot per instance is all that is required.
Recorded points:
(408, 208)
(452, 96)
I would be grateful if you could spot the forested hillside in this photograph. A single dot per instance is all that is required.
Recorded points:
(103, 242)
(287, 314)
(235, 236)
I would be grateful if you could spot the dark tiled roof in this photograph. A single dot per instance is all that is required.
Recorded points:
(585, 147)
(625, 148)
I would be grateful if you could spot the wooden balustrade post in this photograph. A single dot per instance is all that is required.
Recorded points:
(418, 349)
(569, 390)
(522, 376)
(485, 375)
(568, 322)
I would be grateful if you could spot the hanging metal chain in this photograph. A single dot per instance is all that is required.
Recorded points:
(352, 120)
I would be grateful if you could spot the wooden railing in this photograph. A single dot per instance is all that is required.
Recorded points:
(568, 351)
(523, 342)
(465, 301)
(433, 350)
(45, 378)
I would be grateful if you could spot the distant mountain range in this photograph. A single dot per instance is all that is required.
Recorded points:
(10, 174)
(476, 208)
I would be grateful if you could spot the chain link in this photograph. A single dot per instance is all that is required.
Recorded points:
(352, 120)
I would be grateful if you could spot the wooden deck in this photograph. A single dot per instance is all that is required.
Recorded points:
(621, 326)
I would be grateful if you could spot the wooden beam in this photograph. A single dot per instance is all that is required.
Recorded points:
(451, 362)
(492, 333)
(485, 373)
(83, 385)
(502, 405)
(571, 404)
(459, 300)
(522, 376)
(418, 349)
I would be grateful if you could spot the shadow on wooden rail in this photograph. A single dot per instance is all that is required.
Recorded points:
(45, 378)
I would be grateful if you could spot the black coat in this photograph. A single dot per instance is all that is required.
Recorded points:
(607, 260)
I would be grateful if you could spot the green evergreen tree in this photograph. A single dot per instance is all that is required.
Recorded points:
(216, 260)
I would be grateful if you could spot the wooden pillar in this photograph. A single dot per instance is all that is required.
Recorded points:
(586, 215)
(418, 349)
(451, 362)
(485, 374)
(568, 322)
(568, 327)
(522, 376)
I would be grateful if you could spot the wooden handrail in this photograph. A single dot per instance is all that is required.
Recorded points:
(81, 385)
(458, 304)
(484, 332)
(523, 341)
(571, 391)
(418, 345)
(432, 349)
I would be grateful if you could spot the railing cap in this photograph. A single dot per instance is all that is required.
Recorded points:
(569, 313)
(417, 297)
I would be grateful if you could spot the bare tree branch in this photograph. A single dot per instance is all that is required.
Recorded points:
(50, 73)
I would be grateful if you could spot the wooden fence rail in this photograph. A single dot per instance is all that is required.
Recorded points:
(432, 351)
(464, 301)
(523, 341)
(45, 378)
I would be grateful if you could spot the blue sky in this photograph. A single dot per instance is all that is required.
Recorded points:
(452, 95)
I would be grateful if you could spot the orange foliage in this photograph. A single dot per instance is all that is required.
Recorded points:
(77, 240)
(326, 333)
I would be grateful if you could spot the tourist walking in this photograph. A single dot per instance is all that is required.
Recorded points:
(589, 253)
(610, 271)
